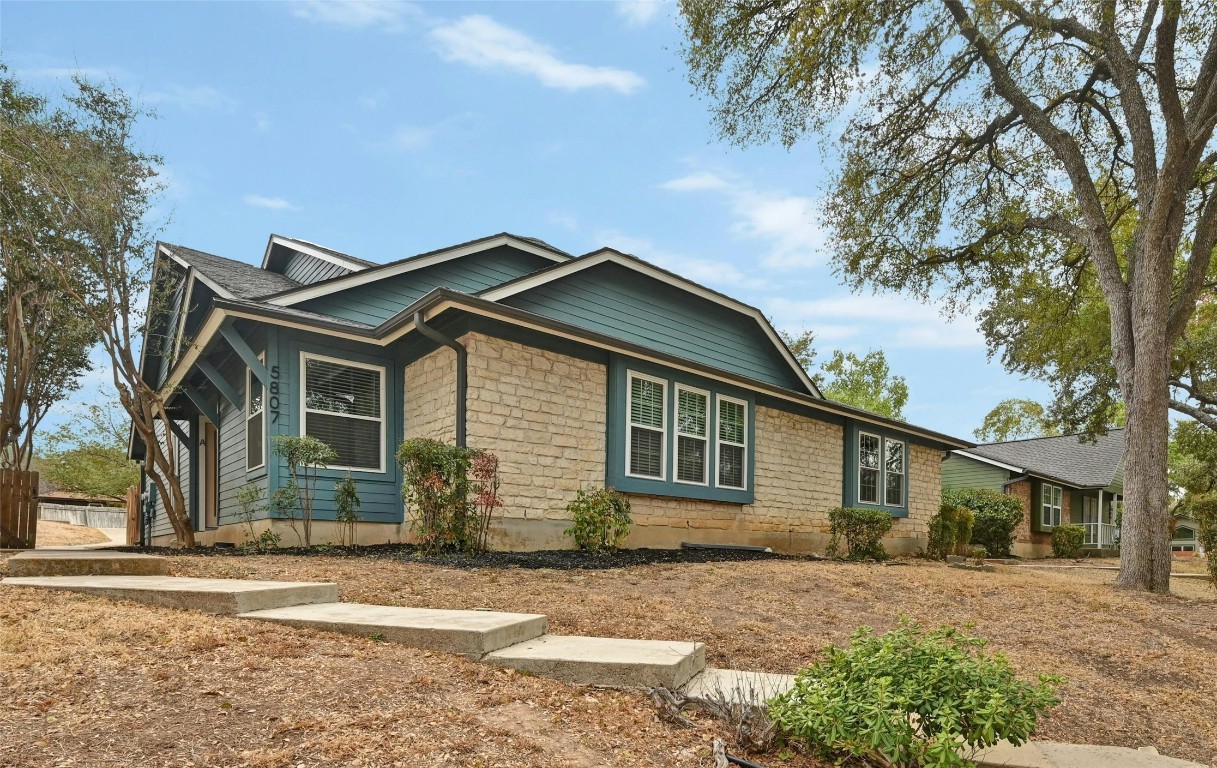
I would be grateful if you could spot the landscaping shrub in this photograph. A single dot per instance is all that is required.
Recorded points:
(305, 456)
(600, 519)
(979, 555)
(996, 517)
(910, 698)
(1204, 509)
(249, 498)
(485, 466)
(863, 530)
(436, 486)
(346, 510)
(950, 531)
(1067, 540)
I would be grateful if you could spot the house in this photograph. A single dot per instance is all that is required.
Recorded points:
(1184, 539)
(576, 372)
(1060, 480)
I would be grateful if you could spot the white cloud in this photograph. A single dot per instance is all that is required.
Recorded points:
(374, 99)
(564, 220)
(270, 203)
(638, 13)
(412, 137)
(787, 223)
(709, 272)
(482, 42)
(190, 98)
(389, 15)
(892, 320)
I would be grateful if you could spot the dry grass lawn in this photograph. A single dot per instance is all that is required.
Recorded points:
(1140, 667)
(56, 534)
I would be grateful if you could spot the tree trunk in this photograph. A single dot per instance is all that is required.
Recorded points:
(1145, 557)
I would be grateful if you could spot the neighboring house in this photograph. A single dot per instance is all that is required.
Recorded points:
(1184, 541)
(1060, 480)
(576, 372)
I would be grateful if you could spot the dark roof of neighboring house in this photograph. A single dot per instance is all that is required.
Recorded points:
(245, 281)
(1069, 458)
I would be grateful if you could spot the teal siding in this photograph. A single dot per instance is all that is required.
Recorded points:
(615, 476)
(962, 472)
(624, 304)
(375, 302)
(232, 458)
(305, 269)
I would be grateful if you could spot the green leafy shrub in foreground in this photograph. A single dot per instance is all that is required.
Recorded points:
(863, 531)
(1067, 540)
(600, 519)
(910, 699)
(950, 530)
(996, 516)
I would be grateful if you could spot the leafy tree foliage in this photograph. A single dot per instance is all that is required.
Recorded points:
(88, 453)
(1193, 466)
(44, 339)
(988, 145)
(864, 382)
(1014, 419)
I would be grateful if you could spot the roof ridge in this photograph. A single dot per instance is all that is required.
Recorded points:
(1048, 437)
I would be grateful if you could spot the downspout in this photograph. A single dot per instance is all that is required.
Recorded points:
(1006, 485)
(462, 374)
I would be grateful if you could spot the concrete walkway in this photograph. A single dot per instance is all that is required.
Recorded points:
(516, 640)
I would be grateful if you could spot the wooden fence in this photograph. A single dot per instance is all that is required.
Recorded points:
(133, 512)
(18, 509)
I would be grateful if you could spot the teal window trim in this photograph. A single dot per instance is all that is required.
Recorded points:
(851, 492)
(618, 434)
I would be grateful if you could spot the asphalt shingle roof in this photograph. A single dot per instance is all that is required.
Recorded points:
(245, 281)
(1068, 458)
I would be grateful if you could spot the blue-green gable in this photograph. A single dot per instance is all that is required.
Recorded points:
(377, 301)
(619, 302)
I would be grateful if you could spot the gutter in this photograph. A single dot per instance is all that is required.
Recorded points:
(462, 371)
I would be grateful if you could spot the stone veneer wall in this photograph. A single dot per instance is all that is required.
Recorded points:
(430, 393)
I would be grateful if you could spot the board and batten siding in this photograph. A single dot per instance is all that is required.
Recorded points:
(232, 459)
(377, 301)
(306, 269)
(962, 472)
(160, 521)
(627, 305)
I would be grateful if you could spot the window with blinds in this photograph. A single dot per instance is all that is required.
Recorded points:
(732, 443)
(343, 407)
(647, 425)
(692, 415)
(255, 422)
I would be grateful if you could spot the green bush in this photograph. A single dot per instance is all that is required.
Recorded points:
(346, 510)
(910, 698)
(435, 487)
(600, 519)
(996, 517)
(979, 555)
(863, 531)
(1067, 540)
(950, 531)
(305, 456)
(1204, 509)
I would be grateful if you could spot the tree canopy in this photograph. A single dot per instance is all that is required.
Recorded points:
(88, 452)
(865, 382)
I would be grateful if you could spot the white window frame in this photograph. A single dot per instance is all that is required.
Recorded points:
(904, 483)
(710, 422)
(878, 502)
(250, 381)
(629, 425)
(305, 410)
(719, 442)
(1053, 507)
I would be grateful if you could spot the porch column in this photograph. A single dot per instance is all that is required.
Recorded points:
(1099, 522)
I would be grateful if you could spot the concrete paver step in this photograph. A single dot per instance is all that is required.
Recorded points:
(1049, 754)
(469, 633)
(85, 562)
(737, 686)
(226, 596)
(605, 661)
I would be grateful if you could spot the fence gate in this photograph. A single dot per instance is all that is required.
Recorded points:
(18, 509)
(133, 510)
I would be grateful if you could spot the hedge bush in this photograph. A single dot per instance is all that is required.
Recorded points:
(996, 517)
(910, 698)
(600, 519)
(1067, 540)
(950, 531)
(863, 531)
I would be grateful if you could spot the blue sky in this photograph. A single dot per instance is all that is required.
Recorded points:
(386, 129)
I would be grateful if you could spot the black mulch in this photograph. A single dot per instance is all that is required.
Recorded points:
(557, 559)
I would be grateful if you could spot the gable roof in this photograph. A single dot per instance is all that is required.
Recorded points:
(611, 255)
(325, 287)
(344, 260)
(1068, 458)
(228, 277)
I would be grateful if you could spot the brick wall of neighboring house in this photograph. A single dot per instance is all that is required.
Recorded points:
(544, 415)
(1029, 542)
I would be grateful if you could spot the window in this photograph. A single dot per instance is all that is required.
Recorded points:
(732, 443)
(692, 416)
(868, 468)
(343, 405)
(893, 494)
(255, 422)
(646, 442)
(1050, 505)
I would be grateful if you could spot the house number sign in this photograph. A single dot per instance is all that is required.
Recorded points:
(272, 402)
